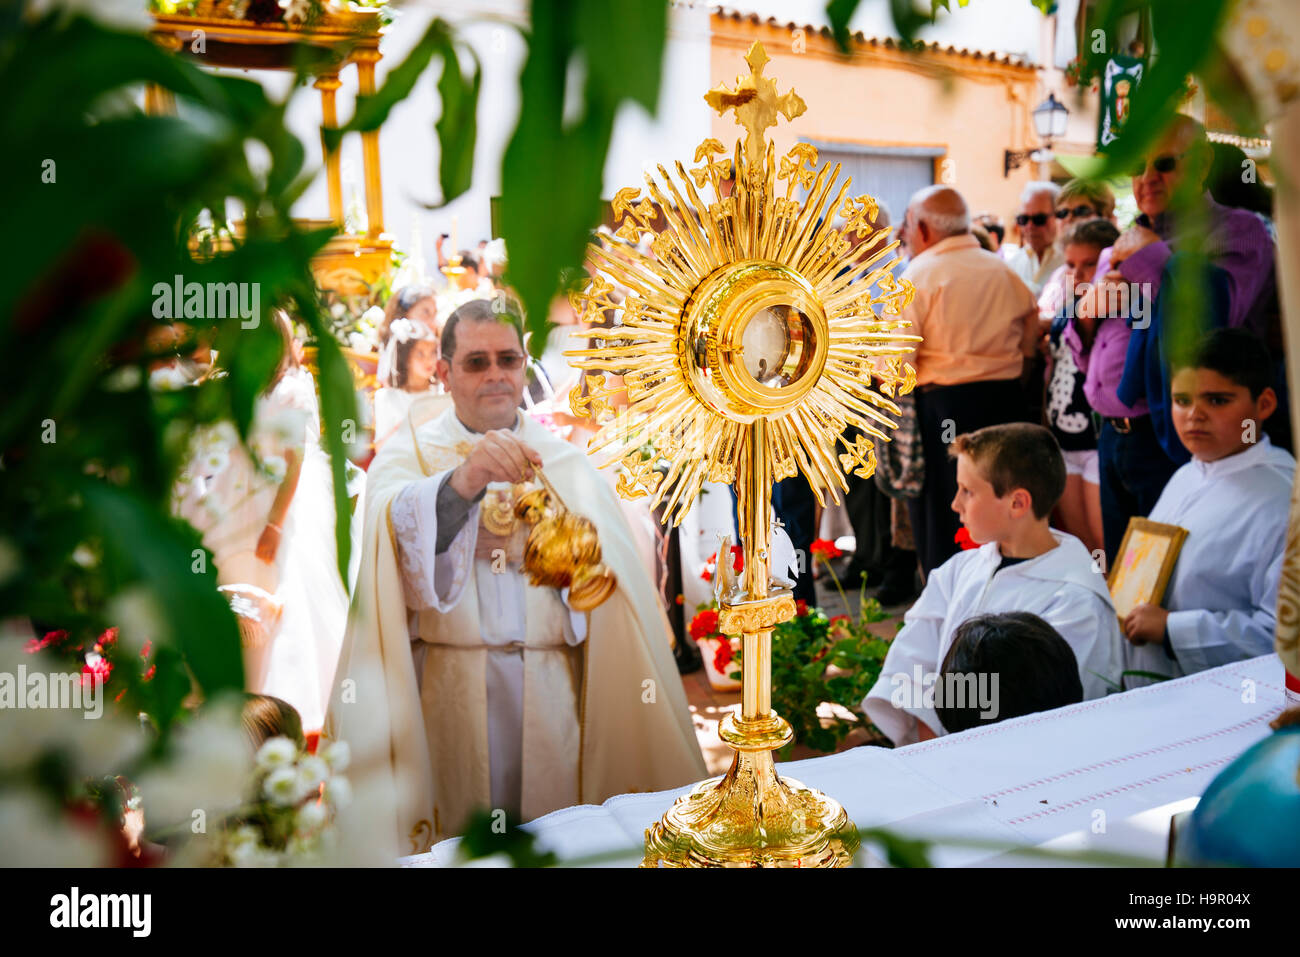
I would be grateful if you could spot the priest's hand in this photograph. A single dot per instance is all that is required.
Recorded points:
(498, 457)
(1145, 624)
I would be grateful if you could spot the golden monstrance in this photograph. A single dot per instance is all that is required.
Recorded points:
(746, 349)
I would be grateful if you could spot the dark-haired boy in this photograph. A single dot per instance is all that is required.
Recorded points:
(1233, 499)
(1009, 478)
(1014, 663)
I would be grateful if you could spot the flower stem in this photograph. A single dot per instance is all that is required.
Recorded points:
(836, 578)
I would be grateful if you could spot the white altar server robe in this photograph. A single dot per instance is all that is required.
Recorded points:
(1222, 598)
(1062, 586)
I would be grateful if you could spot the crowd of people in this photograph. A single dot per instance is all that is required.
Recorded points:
(1064, 387)
(1087, 378)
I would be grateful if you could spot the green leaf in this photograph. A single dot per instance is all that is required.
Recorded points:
(553, 173)
(144, 552)
(839, 13)
(631, 69)
(457, 126)
(337, 406)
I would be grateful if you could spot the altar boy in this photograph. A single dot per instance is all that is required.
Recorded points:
(1009, 478)
(1232, 498)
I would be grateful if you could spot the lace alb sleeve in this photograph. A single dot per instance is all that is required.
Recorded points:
(431, 579)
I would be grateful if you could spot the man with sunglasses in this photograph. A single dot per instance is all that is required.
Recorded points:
(1134, 464)
(1037, 258)
(462, 685)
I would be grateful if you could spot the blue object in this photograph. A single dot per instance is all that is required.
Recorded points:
(1250, 814)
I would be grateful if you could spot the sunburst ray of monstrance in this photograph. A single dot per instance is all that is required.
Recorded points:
(746, 349)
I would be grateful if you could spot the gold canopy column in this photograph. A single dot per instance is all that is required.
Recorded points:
(366, 60)
(747, 350)
(328, 84)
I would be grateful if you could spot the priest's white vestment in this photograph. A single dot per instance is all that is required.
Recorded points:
(460, 685)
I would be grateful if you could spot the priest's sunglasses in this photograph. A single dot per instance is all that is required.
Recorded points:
(482, 361)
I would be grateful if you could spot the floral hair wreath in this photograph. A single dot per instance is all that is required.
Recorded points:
(401, 331)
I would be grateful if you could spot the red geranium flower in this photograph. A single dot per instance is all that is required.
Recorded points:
(704, 624)
(108, 638)
(722, 656)
(50, 639)
(825, 549)
(963, 539)
(839, 618)
(97, 672)
(800, 607)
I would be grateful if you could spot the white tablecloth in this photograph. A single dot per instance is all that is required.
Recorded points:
(1103, 776)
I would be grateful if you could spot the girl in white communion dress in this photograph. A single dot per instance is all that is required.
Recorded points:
(412, 357)
(268, 518)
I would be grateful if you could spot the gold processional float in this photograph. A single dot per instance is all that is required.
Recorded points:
(747, 348)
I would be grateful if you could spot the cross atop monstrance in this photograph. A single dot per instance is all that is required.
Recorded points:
(756, 104)
(749, 349)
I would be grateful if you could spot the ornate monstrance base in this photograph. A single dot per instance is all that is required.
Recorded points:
(751, 816)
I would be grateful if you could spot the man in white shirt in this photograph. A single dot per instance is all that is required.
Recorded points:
(1037, 258)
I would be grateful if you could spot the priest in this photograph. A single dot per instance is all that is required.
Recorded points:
(461, 686)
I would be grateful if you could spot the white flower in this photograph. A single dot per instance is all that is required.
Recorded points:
(312, 772)
(337, 755)
(277, 752)
(302, 849)
(84, 556)
(338, 310)
(358, 342)
(372, 317)
(168, 379)
(295, 11)
(242, 835)
(338, 791)
(252, 854)
(215, 460)
(123, 379)
(275, 467)
(283, 787)
(311, 816)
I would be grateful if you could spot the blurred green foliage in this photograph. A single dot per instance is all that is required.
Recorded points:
(100, 202)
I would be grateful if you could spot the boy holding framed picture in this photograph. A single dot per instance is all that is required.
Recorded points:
(1232, 498)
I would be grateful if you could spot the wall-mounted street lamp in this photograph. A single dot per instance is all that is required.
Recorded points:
(1050, 118)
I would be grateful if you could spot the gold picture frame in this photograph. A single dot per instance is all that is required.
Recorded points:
(1144, 564)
